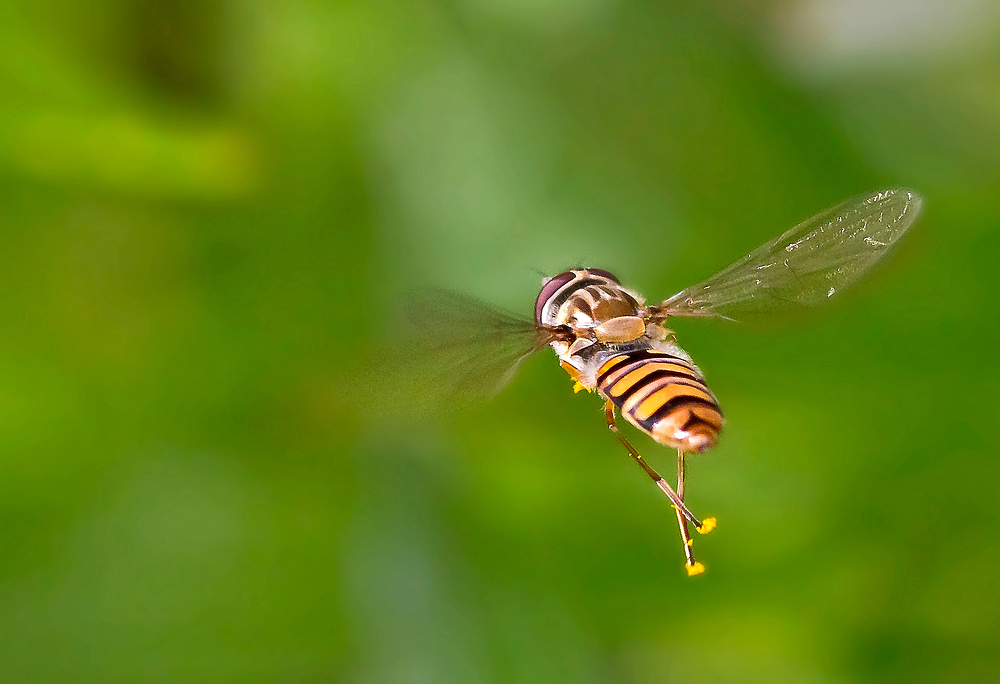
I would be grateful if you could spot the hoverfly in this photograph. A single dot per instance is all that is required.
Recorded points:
(613, 344)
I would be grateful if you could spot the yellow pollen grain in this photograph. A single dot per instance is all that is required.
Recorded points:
(707, 525)
(695, 569)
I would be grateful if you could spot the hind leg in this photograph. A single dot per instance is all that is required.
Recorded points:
(682, 521)
(683, 514)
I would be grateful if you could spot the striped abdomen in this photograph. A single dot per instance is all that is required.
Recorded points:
(664, 396)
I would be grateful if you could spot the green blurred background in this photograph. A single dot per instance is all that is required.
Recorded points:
(208, 207)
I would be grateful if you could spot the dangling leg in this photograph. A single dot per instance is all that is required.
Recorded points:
(609, 412)
(705, 527)
(677, 498)
(693, 567)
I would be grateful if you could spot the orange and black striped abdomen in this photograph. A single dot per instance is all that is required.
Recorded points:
(664, 396)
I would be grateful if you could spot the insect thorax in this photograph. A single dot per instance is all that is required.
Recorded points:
(606, 319)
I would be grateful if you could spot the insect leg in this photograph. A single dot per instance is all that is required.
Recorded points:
(682, 521)
(609, 412)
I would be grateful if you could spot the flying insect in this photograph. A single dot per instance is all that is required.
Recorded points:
(614, 344)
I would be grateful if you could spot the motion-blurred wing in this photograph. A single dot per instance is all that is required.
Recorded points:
(806, 265)
(452, 348)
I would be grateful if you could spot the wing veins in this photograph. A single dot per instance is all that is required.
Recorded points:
(806, 264)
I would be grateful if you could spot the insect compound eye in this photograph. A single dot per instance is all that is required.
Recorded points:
(551, 286)
(604, 274)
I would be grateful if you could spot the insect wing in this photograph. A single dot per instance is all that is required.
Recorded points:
(807, 264)
(458, 348)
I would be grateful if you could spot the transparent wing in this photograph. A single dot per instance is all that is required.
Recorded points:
(806, 265)
(467, 346)
(450, 348)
